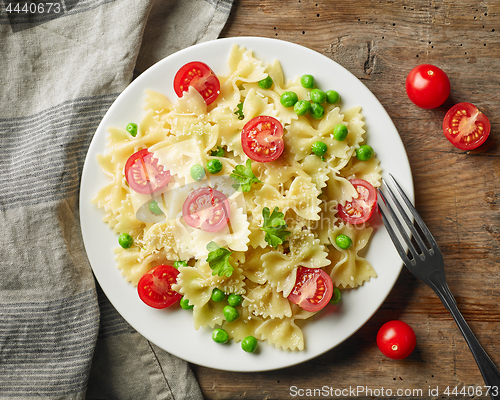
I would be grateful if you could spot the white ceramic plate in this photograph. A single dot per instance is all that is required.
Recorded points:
(173, 330)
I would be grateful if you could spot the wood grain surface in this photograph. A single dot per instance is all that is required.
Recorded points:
(457, 192)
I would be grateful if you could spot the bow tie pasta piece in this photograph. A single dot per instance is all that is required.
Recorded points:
(302, 197)
(243, 67)
(265, 301)
(368, 170)
(285, 334)
(244, 326)
(157, 102)
(348, 268)
(134, 263)
(280, 269)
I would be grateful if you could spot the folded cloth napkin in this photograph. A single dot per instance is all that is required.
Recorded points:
(62, 64)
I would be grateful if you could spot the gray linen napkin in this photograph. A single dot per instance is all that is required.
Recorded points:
(62, 64)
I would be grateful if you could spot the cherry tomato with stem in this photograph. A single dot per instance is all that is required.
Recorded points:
(262, 139)
(465, 126)
(200, 76)
(359, 209)
(427, 86)
(313, 289)
(396, 339)
(155, 287)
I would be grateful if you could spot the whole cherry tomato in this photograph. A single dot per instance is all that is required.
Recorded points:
(396, 339)
(427, 86)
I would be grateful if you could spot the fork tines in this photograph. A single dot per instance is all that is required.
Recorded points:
(418, 249)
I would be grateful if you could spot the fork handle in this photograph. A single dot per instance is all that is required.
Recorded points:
(489, 371)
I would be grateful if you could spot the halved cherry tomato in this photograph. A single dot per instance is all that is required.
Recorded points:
(427, 86)
(262, 139)
(201, 77)
(396, 339)
(144, 174)
(465, 126)
(206, 209)
(313, 289)
(360, 209)
(155, 287)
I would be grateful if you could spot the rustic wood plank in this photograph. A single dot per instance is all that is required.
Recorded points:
(457, 193)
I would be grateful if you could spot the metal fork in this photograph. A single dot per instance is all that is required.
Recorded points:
(425, 261)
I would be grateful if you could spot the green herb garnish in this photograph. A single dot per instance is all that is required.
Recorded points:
(244, 176)
(218, 259)
(275, 227)
(239, 111)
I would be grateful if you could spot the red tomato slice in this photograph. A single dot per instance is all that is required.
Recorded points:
(206, 209)
(200, 76)
(465, 126)
(155, 287)
(144, 174)
(360, 209)
(427, 86)
(313, 289)
(262, 139)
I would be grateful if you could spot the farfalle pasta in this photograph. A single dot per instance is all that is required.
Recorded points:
(248, 254)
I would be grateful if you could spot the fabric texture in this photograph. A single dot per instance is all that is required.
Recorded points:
(61, 68)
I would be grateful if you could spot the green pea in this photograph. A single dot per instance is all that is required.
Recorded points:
(185, 304)
(317, 111)
(332, 96)
(132, 129)
(230, 313)
(307, 81)
(178, 264)
(319, 148)
(288, 99)
(125, 240)
(218, 153)
(197, 172)
(218, 295)
(302, 107)
(340, 132)
(220, 336)
(154, 208)
(336, 296)
(343, 241)
(266, 83)
(214, 166)
(318, 96)
(234, 300)
(249, 344)
(364, 153)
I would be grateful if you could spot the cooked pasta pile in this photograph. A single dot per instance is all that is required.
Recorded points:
(305, 187)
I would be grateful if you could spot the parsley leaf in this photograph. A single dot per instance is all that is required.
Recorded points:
(218, 259)
(244, 176)
(275, 227)
(239, 111)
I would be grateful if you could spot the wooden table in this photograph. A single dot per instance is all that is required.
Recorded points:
(457, 192)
